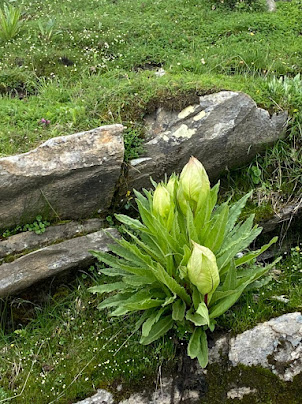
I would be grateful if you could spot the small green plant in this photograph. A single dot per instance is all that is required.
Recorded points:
(255, 173)
(286, 89)
(182, 266)
(133, 144)
(10, 23)
(38, 227)
(48, 31)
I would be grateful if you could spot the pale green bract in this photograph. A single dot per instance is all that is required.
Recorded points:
(180, 267)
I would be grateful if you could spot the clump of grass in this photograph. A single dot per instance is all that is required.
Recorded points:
(67, 350)
(10, 22)
(281, 294)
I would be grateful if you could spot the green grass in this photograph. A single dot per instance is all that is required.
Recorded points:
(84, 64)
(65, 348)
(68, 349)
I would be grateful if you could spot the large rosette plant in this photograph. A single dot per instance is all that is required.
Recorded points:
(181, 268)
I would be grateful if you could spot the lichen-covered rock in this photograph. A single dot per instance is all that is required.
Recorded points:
(225, 130)
(50, 261)
(70, 177)
(275, 344)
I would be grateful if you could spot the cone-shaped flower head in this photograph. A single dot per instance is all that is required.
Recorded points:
(161, 201)
(202, 269)
(194, 185)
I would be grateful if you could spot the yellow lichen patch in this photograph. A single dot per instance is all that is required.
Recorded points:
(186, 112)
(184, 131)
(199, 116)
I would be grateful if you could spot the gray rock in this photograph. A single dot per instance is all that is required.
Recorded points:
(165, 393)
(284, 217)
(50, 261)
(30, 241)
(275, 344)
(225, 130)
(69, 177)
(101, 397)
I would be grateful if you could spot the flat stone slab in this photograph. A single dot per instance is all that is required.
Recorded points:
(70, 177)
(52, 260)
(29, 240)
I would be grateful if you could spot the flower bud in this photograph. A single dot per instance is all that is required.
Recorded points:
(194, 185)
(161, 201)
(202, 269)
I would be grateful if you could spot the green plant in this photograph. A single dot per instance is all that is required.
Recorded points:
(38, 226)
(133, 144)
(48, 31)
(181, 266)
(10, 23)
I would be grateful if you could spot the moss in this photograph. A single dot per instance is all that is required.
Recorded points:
(270, 389)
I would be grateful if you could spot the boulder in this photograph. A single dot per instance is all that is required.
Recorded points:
(53, 260)
(69, 177)
(275, 345)
(29, 240)
(225, 130)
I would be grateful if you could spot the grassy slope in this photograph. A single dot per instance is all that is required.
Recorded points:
(96, 68)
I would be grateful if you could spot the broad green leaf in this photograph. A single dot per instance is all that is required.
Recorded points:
(151, 320)
(235, 211)
(203, 312)
(169, 300)
(143, 304)
(120, 311)
(231, 277)
(197, 297)
(241, 244)
(219, 294)
(254, 254)
(143, 317)
(128, 221)
(115, 300)
(216, 229)
(240, 231)
(112, 272)
(192, 233)
(225, 303)
(178, 310)
(203, 353)
(203, 215)
(153, 254)
(108, 287)
(158, 330)
(195, 318)
(171, 284)
(136, 280)
(194, 345)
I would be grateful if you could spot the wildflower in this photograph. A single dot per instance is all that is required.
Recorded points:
(194, 185)
(162, 201)
(44, 122)
(203, 270)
